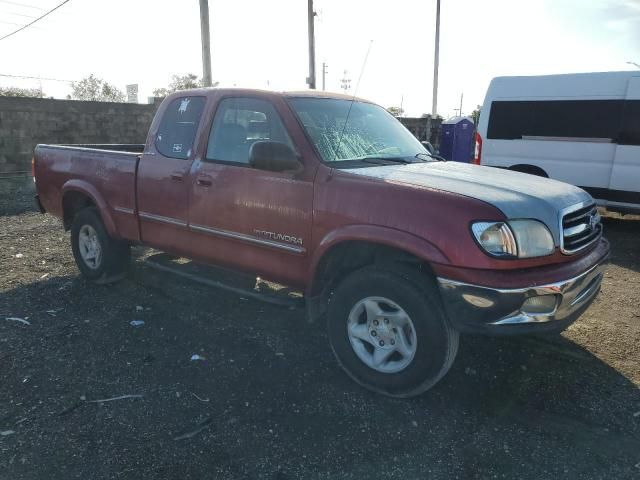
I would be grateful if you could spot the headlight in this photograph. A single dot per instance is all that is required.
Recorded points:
(514, 239)
(533, 238)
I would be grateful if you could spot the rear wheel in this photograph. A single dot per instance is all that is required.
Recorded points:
(389, 333)
(99, 257)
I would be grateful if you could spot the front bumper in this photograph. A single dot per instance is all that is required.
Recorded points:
(498, 311)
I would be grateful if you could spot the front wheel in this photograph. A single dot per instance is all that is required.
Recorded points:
(388, 331)
(99, 257)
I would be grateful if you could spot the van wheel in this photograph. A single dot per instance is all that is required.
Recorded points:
(99, 257)
(388, 331)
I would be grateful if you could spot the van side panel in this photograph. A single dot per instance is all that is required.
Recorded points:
(582, 164)
(604, 163)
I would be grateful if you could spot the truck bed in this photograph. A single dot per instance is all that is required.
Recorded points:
(105, 171)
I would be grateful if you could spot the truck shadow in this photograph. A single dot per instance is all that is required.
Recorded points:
(272, 402)
(624, 235)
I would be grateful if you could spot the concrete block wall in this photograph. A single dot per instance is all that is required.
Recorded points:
(25, 122)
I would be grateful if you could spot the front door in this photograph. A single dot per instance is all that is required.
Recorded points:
(251, 219)
(163, 176)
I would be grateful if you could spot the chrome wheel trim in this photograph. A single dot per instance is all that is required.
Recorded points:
(382, 334)
(89, 247)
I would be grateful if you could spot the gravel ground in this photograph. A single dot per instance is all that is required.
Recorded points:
(269, 401)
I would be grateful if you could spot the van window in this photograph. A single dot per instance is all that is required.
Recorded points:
(238, 124)
(592, 119)
(178, 127)
(630, 134)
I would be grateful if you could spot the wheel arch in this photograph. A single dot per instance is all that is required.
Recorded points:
(350, 248)
(79, 194)
(530, 169)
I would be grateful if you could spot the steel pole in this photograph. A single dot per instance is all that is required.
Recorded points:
(436, 61)
(311, 80)
(324, 75)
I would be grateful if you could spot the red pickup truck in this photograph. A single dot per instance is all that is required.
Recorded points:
(333, 196)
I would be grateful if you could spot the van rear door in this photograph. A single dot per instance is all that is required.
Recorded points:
(624, 184)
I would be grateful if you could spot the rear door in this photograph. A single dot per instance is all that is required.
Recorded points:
(624, 187)
(163, 176)
(255, 220)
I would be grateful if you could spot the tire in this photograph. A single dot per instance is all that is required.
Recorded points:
(393, 295)
(89, 239)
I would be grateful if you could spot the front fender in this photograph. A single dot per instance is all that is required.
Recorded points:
(390, 237)
(92, 192)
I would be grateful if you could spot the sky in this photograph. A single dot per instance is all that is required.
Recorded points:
(263, 44)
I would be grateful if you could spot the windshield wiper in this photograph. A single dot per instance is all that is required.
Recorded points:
(378, 160)
(435, 157)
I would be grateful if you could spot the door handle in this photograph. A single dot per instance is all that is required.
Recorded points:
(177, 176)
(204, 180)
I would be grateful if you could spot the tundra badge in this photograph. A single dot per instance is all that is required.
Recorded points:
(278, 236)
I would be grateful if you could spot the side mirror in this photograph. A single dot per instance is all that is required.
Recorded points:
(273, 156)
(430, 148)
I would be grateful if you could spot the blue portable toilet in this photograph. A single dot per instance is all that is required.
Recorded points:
(456, 139)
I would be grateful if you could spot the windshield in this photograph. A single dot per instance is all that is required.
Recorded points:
(370, 131)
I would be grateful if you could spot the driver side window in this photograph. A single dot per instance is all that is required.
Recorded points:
(238, 124)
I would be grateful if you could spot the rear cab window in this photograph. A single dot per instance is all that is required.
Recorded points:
(178, 127)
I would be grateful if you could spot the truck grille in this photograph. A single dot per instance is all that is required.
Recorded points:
(581, 227)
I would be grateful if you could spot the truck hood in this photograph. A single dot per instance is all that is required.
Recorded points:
(517, 195)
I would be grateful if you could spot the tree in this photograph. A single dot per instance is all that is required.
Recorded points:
(96, 89)
(20, 92)
(395, 111)
(475, 115)
(180, 82)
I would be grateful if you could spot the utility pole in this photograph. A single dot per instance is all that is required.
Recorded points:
(345, 82)
(461, 96)
(436, 61)
(206, 43)
(311, 79)
(324, 74)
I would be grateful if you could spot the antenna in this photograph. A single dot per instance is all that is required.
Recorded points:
(353, 98)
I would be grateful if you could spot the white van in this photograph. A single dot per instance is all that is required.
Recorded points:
(580, 128)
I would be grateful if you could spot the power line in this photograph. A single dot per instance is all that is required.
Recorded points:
(36, 78)
(18, 14)
(10, 23)
(21, 5)
(37, 19)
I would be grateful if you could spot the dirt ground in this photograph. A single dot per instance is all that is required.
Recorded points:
(270, 402)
